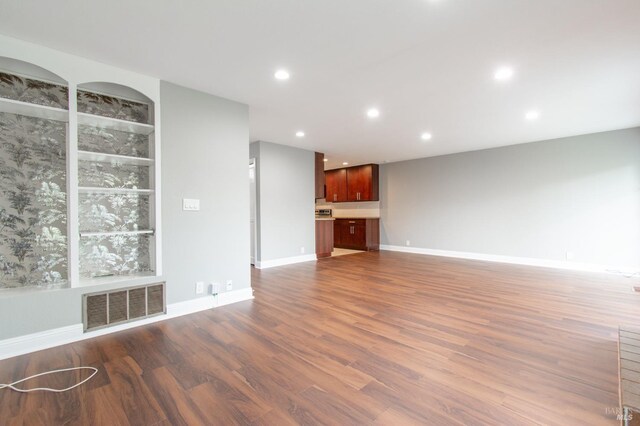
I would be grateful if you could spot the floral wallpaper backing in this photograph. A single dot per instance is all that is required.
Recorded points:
(109, 106)
(33, 91)
(114, 212)
(33, 202)
(107, 175)
(33, 199)
(114, 254)
(109, 141)
(105, 255)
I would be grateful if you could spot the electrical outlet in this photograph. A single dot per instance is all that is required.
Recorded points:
(199, 287)
(570, 255)
(302, 250)
(215, 288)
(408, 243)
(229, 285)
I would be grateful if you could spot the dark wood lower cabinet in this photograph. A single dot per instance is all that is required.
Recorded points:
(324, 238)
(357, 234)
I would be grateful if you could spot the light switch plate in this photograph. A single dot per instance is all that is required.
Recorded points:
(190, 204)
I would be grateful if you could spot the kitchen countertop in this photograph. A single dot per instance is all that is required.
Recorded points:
(346, 218)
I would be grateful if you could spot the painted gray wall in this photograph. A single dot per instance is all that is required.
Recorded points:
(205, 145)
(286, 204)
(538, 200)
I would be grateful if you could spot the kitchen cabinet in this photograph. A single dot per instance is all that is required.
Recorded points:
(319, 166)
(359, 183)
(336, 182)
(324, 237)
(362, 183)
(357, 234)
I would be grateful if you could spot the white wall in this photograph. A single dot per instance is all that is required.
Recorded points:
(539, 200)
(205, 146)
(286, 204)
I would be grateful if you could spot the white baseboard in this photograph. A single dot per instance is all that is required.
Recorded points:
(558, 264)
(61, 336)
(285, 261)
(234, 296)
(37, 341)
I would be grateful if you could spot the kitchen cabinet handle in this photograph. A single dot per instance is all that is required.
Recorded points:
(352, 221)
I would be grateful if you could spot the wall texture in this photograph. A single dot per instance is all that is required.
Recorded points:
(205, 147)
(579, 195)
(285, 208)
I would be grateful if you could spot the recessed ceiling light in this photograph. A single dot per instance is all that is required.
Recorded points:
(532, 115)
(282, 75)
(503, 73)
(300, 134)
(345, 163)
(373, 113)
(426, 136)
(325, 160)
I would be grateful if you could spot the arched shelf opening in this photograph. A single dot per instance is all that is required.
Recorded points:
(34, 111)
(115, 101)
(29, 70)
(30, 90)
(116, 183)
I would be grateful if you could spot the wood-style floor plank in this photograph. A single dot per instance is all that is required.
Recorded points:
(374, 338)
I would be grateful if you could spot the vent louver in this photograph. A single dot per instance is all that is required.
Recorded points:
(122, 305)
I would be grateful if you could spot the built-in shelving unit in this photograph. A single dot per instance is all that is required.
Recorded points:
(116, 174)
(91, 179)
(34, 116)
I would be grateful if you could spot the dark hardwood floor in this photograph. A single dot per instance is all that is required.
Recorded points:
(373, 338)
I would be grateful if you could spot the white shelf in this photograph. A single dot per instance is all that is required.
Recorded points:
(98, 121)
(92, 190)
(33, 110)
(113, 158)
(141, 278)
(109, 234)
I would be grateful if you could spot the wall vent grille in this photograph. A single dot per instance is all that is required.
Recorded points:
(118, 306)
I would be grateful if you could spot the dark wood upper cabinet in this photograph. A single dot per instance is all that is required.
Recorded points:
(336, 182)
(319, 175)
(358, 183)
(362, 183)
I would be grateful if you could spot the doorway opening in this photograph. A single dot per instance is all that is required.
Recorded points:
(253, 210)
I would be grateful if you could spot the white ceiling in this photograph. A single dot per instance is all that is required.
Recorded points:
(426, 64)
